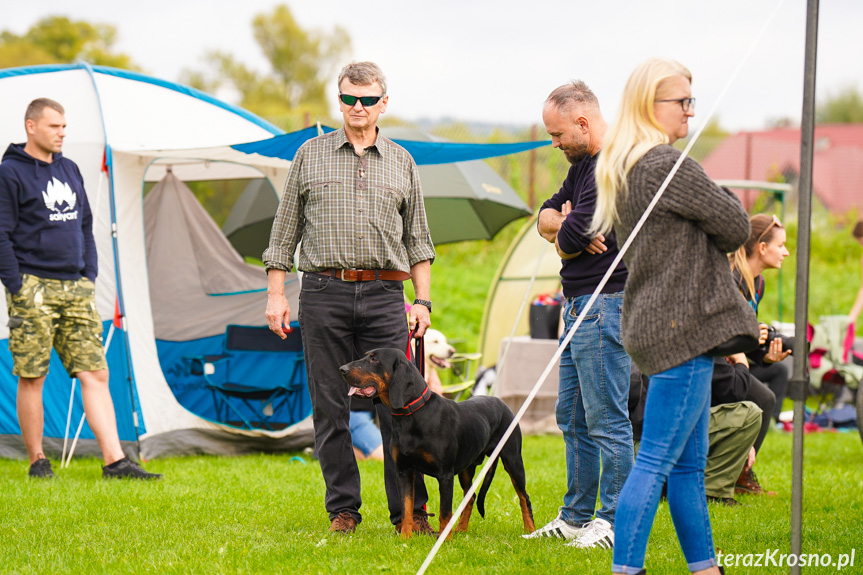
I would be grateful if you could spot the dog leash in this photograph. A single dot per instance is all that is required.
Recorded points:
(419, 351)
(418, 359)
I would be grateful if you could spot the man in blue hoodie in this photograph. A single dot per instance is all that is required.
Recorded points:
(48, 266)
(592, 399)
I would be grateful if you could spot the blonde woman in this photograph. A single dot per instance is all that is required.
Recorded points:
(680, 303)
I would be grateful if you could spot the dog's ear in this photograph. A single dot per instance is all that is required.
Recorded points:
(406, 383)
(399, 375)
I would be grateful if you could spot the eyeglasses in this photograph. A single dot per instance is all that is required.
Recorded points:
(775, 222)
(685, 103)
(366, 101)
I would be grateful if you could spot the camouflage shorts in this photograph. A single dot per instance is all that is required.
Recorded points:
(61, 314)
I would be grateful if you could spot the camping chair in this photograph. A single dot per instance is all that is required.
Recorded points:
(831, 365)
(255, 375)
(460, 367)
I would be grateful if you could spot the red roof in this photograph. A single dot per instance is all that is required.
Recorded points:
(837, 175)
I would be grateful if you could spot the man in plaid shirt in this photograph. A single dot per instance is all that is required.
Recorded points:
(354, 199)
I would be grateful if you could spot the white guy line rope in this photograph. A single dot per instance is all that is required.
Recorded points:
(467, 496)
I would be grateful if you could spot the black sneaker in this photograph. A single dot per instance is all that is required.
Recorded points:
(41, 468)
(127, 469)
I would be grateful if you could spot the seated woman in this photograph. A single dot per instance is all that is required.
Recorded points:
(765, 249)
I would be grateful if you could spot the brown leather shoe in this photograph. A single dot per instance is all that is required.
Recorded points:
(727, 501)
(747, 484)
(343, 523)
(421, 525)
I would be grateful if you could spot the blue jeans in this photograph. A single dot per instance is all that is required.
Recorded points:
(674, 445)
(591, 410)
(365, 435)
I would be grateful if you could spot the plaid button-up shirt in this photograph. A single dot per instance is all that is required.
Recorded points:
(350, 211)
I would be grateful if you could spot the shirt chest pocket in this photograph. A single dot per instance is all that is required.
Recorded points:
(383, 208)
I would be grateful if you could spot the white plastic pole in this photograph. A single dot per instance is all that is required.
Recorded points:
(75, 441)
(68, 422)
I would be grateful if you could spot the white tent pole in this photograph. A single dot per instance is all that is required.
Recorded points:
(499, 369)
(74, 441)
(83, 416)
(68, 421)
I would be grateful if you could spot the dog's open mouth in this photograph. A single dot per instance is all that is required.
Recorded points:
(439, 362)
(363, 391)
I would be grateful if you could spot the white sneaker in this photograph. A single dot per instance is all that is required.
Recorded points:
(597, 533)
(558, 528)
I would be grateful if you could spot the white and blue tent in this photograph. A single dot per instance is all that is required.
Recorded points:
(125, 129)
(169, 282)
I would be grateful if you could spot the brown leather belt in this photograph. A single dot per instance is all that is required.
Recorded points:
(366, 275)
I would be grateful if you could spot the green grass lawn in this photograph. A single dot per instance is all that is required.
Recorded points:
(264, 514)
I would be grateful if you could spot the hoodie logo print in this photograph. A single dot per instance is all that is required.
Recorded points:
(57, 194)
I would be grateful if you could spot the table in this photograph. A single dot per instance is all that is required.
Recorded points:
(526, 361)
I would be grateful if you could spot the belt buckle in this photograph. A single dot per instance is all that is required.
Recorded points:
(342, 276)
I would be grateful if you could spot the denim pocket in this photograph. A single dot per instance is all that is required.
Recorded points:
(392, 286)
(591, 317)
(315, 282)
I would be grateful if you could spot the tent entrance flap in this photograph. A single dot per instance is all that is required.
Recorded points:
(215, 368)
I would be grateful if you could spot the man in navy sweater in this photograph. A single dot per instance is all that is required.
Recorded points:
(591, 407)
(48, 266)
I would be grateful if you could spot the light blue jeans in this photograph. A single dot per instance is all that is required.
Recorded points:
(591, 410)
(365, 435)
(674, 444)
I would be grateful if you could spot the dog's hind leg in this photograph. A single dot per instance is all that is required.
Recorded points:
(514, 466)
(406, 488)
(465, 478)
(445, 484)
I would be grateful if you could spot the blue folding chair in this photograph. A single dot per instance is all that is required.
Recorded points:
(255, 375)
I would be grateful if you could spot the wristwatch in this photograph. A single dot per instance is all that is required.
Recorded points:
(424, 302)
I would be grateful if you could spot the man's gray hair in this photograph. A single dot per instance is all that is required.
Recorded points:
(576, 92)
(363, 74)
(37, 106)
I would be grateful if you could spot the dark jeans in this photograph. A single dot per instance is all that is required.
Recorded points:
(340, 322)
(775, 376)
(763, 397)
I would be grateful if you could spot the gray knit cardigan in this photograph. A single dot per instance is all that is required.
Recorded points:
(680, 300)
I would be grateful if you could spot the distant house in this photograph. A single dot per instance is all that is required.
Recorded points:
(837, 175)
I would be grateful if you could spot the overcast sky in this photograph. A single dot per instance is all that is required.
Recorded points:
(496, 61)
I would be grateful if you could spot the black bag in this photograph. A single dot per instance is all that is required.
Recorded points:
(738, 344)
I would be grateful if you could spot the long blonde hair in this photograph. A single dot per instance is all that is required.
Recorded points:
(761, 230)
(635, 132)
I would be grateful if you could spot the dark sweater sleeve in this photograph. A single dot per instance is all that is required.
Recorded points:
(572, 236)
(718, 212)
(563, 195)
(10, 274)
(91, 260)
(730, 383)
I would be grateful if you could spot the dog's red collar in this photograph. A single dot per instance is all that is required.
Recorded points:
(415, 405)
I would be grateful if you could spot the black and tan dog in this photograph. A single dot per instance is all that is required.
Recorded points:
(437, 436)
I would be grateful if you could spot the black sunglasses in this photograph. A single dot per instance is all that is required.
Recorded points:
(366, 101)
(685, 103)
